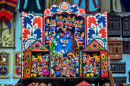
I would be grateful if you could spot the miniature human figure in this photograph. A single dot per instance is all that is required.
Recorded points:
(47, 59)
(40, 72)
(64, 64)
(52, 27)
(48, 24)
(43, 60)
(76, 72)
(76, 57)
(69, 22)
(85, 71)
(52, 72)
(78, 26)
(49, 39)
(90, 65)
(59, 22)
(45, 70)
(76, 60)
(79, 42)
(52, 63)
(97, 73)
(70, 56)
(34, 71)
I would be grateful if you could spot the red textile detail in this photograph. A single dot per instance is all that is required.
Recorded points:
(60, 24)
(6, 15)
(68, 25)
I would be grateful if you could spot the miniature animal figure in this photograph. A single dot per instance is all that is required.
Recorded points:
(64, 42)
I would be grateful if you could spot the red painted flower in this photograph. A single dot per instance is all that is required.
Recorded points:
(105, 64)
(25, 64)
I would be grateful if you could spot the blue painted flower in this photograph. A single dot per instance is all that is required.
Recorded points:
(28, 56)
(27, 20)
(54, 9)
(74, 9)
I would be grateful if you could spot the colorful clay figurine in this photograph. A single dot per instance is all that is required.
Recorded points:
(40, 65)
(91, 65)
(49, 39)
(64, 62)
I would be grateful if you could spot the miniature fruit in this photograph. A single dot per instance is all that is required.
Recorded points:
(35, 75)
(87, 75)
(91, 74)
(31, 75)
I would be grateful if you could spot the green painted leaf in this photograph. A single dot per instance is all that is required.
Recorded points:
(102, 61)
(28, 66)
(25, 69)
(25, 58)
(28, 61)
(31, 48)
(42, 48)
(102, 66)
(106, 69)
(100, 48)
(106, 58)
(89, 48)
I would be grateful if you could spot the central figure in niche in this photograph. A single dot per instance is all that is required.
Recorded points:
(64, 37)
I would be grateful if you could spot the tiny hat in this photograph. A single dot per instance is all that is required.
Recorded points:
(70, 54)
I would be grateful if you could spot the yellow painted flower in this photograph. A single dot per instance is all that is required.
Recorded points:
(27, 71)
(103, 56)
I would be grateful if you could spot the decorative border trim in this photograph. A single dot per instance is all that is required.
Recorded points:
(71, 9)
